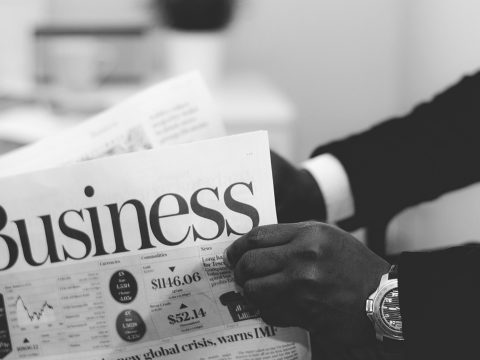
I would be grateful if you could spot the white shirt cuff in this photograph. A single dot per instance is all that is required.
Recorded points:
(334, 184)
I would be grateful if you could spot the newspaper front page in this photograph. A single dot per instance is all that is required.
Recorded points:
(173, 112)
(121, 258)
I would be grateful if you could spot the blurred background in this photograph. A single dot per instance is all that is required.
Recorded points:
(308, 71)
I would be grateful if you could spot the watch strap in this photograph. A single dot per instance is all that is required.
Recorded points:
(392, 347)
(393, 272)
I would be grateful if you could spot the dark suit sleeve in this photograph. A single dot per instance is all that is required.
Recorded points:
(415, 158)
(402, 162)
(439, 300)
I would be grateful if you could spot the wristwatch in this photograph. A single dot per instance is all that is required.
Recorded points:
(383, 309)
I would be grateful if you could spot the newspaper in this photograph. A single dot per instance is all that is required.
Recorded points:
(121, 258)
(174, 112)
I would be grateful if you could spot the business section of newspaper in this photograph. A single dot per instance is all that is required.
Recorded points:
(120, 303)
(237, 342)
(106, 289)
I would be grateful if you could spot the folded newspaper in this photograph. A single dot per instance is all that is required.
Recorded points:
(174, 112)
(121, 258)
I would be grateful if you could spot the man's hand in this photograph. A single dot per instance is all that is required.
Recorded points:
(297, 195)
(310, 275)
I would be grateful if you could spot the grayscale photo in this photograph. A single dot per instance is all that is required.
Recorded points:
(239, 179)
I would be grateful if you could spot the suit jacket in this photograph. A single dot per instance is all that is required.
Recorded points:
(402, 162)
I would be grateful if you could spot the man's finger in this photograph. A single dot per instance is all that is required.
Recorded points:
(258, 263)
(268, 291)
(260, 237)
(277, 316)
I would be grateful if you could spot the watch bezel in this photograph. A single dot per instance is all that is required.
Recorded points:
(377, 313)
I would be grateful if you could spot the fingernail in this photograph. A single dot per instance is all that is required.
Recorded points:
(226, 261)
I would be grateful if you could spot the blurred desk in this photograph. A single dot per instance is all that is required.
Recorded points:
(249, 102)
(6, 146)
(27, 124)
(246, 103)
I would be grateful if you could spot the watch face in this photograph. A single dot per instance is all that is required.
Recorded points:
(390, 310)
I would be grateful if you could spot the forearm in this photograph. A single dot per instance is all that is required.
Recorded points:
(414, 158)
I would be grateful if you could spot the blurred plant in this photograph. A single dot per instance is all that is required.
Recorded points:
(196, 15)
